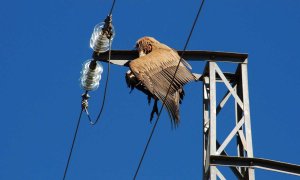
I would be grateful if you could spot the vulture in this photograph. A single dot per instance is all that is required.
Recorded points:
(152, 73)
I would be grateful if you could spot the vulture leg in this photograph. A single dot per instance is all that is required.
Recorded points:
(181, 94)
(154, 109)
(149, 99)
(131, 89)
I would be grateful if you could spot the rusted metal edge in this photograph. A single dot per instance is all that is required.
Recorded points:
(266, 164)
(122, 57)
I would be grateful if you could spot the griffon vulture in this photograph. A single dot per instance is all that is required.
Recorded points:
(152, 74)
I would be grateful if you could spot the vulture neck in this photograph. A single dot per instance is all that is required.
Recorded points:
(141, 53)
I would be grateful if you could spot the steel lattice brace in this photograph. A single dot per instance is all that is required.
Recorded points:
(242, 130)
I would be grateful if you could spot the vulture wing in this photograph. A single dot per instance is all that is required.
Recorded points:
(156, 70)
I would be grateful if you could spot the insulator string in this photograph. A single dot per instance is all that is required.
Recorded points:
(84, 102)
(105, 90)
(90, 77)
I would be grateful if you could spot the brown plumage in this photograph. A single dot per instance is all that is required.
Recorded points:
(152, 74)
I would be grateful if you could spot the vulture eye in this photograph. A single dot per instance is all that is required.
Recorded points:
(136, 46)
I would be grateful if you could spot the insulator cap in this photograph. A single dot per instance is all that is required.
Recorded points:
(90, 78)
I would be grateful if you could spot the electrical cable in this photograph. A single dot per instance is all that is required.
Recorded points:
(112, 7)
(72, 146)
(172, 81)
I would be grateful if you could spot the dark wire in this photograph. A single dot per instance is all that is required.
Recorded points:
(172, 81)
(112, 7)
(74, 139)
(105, 89)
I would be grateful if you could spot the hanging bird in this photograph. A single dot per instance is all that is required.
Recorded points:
(152, 74)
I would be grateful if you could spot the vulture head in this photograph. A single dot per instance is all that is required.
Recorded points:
(145, 45)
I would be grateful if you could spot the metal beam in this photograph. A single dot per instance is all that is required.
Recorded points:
(229, 76)
(233, 169)
(229, 87)
(256, 163)
(220, 175)
(122, 57)
(230, 136)
(212, 117)
(224, 100)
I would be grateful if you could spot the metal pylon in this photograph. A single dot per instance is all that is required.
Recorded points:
(213, 149)
(243, 163)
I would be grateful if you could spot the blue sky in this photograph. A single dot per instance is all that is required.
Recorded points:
(44, 43)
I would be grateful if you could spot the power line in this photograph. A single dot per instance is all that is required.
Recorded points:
(112, 7)
(158, 116)
(72, 146)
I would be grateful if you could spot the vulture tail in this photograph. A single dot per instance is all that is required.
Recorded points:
(172, 106)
